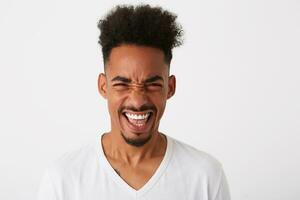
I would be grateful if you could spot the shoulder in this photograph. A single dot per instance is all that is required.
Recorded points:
(65, 172)
(195, 160)
(72, 162)
(199, 170)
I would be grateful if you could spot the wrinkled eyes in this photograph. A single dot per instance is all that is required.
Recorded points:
(120, 85)
(154, 86)
(150, 86)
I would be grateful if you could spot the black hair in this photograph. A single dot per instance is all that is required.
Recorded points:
(140, 25)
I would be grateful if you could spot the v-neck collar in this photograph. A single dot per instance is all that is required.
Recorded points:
(150, 183)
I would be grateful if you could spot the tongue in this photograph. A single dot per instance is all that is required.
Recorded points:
(138, 122)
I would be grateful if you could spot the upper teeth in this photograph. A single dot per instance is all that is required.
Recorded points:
(134, 116)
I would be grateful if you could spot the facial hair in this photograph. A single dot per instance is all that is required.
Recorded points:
(136, 142)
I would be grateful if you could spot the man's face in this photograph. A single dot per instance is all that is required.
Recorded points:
(136, 85)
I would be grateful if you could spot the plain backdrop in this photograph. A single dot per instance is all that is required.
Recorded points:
(237, 92)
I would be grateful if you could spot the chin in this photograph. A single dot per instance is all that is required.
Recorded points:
(137, 141)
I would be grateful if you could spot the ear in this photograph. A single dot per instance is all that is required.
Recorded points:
(102, 85)
(171, 86)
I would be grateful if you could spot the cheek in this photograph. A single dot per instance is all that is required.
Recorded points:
(162, 109)
(160, 102)
(114, 102)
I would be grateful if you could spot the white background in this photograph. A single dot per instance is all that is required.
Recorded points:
(237, 89)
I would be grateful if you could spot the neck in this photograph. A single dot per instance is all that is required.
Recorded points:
(116, 148)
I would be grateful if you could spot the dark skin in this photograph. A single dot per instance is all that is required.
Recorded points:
(136, 80)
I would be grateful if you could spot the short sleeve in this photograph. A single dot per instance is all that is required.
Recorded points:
(223, 190)
(46, 188)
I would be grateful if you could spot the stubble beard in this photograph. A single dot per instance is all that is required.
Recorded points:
(136, 142)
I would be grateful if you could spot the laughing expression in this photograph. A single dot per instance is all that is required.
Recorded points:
(136, 85)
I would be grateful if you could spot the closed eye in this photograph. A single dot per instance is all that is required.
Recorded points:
(155, 84)
(120, 84)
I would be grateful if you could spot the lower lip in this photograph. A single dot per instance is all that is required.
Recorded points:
(138, 129)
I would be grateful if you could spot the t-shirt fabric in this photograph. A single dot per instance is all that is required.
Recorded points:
(185, 173)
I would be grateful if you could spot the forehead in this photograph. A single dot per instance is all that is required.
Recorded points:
(136, 62)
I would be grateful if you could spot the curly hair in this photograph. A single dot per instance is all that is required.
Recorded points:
(140, 25)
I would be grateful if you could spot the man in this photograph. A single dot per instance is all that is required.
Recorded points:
(134, 160)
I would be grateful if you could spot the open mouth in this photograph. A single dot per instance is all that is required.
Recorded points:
(138, 121)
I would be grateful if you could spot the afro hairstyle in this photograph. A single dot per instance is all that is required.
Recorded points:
(140, 25)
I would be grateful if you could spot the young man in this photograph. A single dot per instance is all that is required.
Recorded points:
(134, 160)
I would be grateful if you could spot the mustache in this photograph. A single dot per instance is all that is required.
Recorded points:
(142, 108)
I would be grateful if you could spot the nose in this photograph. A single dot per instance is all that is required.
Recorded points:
(138, 97)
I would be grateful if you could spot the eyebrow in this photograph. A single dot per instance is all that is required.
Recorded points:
(121, 79)
(153, 79)
(127, 80)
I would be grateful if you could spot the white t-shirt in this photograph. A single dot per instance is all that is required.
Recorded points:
(185, 173)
